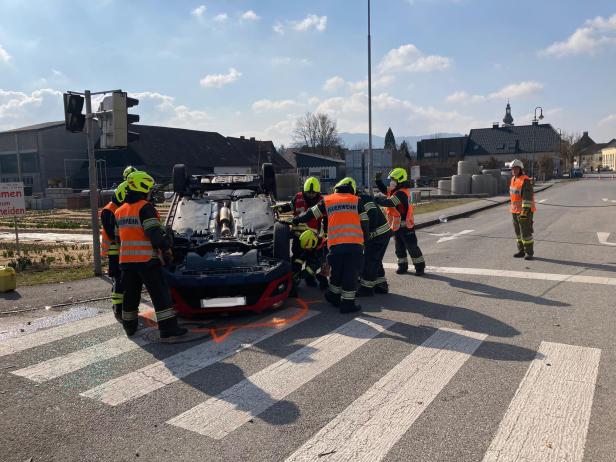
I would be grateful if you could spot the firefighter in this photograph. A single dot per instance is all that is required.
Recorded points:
(522, 209)
(346, 234)
(400, 219)
(313, 257)
(303, 200)
(373, 274)
(144, 246)
(110, 248)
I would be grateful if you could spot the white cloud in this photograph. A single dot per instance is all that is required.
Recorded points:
(249, 16)
(514, 90)
(278, 28)
(269, 105)
(409, 58)
(589, 39)
(333, 83)
(380, 81)
(609, 120)
(199, 11)
(287, 60)
(312, 21)
(19, 109)
(222, 17)
(220, 80)
(159, 109)
(5, 57)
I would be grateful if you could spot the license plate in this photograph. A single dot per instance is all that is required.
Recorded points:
(223, 302)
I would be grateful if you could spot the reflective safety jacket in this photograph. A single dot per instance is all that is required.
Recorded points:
(300, 205)
(135, 246)
(109, 246)
(344, 226)
(403, 208)
(377, 222)
(521, 194)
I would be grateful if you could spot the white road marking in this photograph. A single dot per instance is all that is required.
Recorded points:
(62, 365)
(220, 415)
(455, 236)
(373, 424)
(603, 237)
(516, 274)
(43, 337)
(548, 417)
(542, 201)
(171, 369)
(605, 199)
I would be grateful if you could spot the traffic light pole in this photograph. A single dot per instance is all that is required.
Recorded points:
(96, 243)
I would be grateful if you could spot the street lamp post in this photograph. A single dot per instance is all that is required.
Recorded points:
(535, 122)
(369, 182)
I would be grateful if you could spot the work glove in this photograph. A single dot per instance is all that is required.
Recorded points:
(524, 215)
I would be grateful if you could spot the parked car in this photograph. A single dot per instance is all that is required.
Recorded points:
(230, 252)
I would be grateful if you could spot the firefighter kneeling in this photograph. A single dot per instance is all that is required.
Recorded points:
(143, 242)
(346, 234)
(311, 261)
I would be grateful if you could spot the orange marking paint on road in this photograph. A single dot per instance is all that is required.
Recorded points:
(312, 302)
(149, 317)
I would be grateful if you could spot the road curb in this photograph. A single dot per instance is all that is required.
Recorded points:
(467, 213)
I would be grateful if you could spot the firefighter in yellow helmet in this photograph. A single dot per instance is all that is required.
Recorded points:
(143, 244)
(127, 171)
(110, 248)
(347, 230)
(303, 200)
(522, 209)
(313, 258)
(400, 219)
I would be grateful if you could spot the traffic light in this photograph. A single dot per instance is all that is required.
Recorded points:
(74, 120)
(114, 120)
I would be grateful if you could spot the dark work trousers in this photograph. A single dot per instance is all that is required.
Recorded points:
(117, 291)
(307, 265)
(345, 268)
(373, 273)
(524, 233)
(134, 276)
(296, 255)
(406, 241)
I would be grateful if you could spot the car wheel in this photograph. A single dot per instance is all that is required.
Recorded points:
(180, 178)
(269, 179)
(282, 242)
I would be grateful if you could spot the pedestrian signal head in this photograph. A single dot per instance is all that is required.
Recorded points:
(347, 182)
(399, 175)
(120, 192)
(140, 182)
(312, 185)
(128, 170)
(308, 240)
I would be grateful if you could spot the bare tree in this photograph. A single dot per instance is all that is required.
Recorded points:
(317, 132)
(570, 149)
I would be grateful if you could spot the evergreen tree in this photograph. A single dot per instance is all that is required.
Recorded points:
(390, 141)
(404, 149)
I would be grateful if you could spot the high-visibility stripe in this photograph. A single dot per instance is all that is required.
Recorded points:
(418, 260)
(365, 283)
(367, 429)
(219, 416)
(316, 211)
(129, 315)
(380, 230)
(394, 200)
(334, 289)
(176, 367)
(348, 295)
(403, 260)
(548, 418)
(137, 243)
(341, 227)
(150, 252)
(165, 314)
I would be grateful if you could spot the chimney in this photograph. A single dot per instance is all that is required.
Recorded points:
(494, 124)
(586, 134)
(535, 122)
(252, 138)
(242, 137)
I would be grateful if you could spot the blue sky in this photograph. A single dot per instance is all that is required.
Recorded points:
(252, 67)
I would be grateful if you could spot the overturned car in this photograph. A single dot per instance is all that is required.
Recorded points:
(230, 252)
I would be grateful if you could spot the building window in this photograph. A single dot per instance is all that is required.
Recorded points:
(452, 154)
(8, 164)
(29, 162)
(28, 180)
(325, 173)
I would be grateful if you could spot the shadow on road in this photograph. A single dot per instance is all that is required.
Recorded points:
(497, 293)
(586, 265)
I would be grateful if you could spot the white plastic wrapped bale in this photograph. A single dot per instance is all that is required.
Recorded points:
(466, 167)
(480, 184)
(444, 187)
(461, 184)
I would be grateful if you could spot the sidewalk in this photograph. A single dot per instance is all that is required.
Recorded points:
(426, 220)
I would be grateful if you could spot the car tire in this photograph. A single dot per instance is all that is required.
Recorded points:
(268, 176)
(282, 242)
(180, 178)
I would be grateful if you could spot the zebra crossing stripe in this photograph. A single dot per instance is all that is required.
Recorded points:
(219, 416)
(62, 365)
(170, 370)
(368, 429)
(43, 337)
(549, 415)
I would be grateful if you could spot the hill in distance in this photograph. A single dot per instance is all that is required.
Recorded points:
(353, 140)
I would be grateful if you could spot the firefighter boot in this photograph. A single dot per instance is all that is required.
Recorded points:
(169, 330)
(381, 288)
(323, 283)
(365, 291)
(349, 306)
(117, 312)
(332, 298)
(521, 252)
(420, 269)
(528, 248)
(402, 268)
(310, 281)
(130, 327)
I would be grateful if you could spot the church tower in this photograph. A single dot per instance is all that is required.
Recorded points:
(508, 119)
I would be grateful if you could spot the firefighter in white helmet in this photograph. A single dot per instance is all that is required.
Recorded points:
(522, 209)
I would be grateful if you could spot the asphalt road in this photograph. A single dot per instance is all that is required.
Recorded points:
(486, 358)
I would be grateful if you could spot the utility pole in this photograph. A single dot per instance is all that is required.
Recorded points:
(369, 105)
(96, 243)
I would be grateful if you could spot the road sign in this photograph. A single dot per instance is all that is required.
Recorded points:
(415, 172)
(12, 200)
